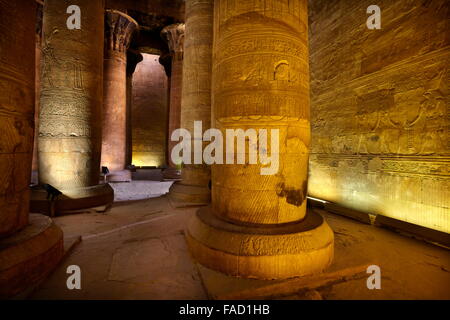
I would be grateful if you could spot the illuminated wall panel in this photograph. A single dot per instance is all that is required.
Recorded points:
(380, 108)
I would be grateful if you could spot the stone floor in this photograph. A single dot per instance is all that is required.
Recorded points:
(137, 251)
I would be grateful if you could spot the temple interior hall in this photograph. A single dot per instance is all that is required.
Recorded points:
(224, 149)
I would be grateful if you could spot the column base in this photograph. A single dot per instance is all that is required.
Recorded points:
(261, 252)
(171, 174)
(30, 255)
(190, 195)
(72, 201)
(119, 176)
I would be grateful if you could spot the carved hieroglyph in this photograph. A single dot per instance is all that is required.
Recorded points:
(17, 48)
(380, 110)
(71, 96)
(257, 225)
(119, 30)
(196, 94)
(39, 17)
(149, 113)
(174, 35)
(261, 81)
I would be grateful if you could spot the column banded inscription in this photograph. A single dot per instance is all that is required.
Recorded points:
(261, 81)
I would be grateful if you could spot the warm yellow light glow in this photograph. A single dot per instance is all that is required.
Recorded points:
(142, 159)
(319, 200)
(416, 199)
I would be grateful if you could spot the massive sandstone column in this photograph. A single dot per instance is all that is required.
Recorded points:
(165, 59)
(30, 245)
(39, 17)
(196, 96)
(258, 226)
(71, 107)
(174, 35)
(133, 58)
(119, 30)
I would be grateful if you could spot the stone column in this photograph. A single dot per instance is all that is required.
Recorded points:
(119, 30)
(39, 17)
(174, 35)
(133, 58)
(258, 226)
(165, 59)
(30, 245)
(196, 96)
(71, 107)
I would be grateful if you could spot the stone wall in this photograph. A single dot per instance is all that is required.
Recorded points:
(380, 108)
(149, 113)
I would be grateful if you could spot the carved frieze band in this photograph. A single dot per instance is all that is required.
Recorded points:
(263, 73)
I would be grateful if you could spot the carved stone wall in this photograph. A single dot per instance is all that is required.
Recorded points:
(380, 108)
(149, 113)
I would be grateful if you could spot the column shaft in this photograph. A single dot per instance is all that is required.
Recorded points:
(257, 226)
(196, 95)
(119, 30)
(30, 245)
(174, 35)
(261, 81)
(71, 105)
(39, 16)
(133, 58)
(17, 41)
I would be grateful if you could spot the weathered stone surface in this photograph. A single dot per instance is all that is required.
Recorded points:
(380, 114)
(27, 257)
(119, 31)
(30, 246)
(261, 81)
(71, 100)
(149, 113)
(71, 97)
(196, 95)
(17, 54)
(174, 35)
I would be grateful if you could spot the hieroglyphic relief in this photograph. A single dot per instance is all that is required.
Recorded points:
(72, 70)
(196, 93)
(380, 121)
(289, 11)
(261, 80)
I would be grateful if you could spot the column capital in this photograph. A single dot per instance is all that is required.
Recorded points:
(174, 36)
(119, 29)
(133, 58)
